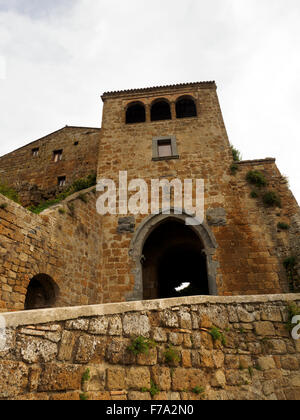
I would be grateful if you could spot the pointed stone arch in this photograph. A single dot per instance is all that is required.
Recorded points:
(145, 229)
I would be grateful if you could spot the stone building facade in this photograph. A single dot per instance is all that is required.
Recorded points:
(71, 255)
(41, 169)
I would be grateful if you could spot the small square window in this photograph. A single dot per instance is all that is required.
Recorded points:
(61, 181)
(57, 155)
(164, 148)
(35, 152)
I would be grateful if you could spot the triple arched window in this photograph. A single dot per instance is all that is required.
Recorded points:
(161, 110)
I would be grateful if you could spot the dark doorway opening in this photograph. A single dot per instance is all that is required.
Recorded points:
(174, 263)
(42, 292)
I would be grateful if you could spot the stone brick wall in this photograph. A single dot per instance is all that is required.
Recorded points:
(249, 248)
(64, 243)
(82, 353)
(36, 177)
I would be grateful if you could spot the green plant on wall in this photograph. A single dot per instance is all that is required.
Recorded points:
(256, 178)
(141, 345)
(198, 390)
(272, 199)
(171, 355)
(236, 154)
(234, 168)
(9, 192)
(283, 226)
(217, 335)
(79, 185)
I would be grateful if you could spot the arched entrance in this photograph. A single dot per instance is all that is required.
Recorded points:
(42, 292)
(173, 263)
(172, 259)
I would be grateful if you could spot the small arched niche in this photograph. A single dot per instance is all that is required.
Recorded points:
(135, 113)
(186, 107)
(161, 110)
(42, 292)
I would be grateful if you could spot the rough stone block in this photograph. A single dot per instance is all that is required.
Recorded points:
(61, 377)
(187, 379)
(136, 325)
(138, 378)
(116, 379)
(14, 378)
(162, 377)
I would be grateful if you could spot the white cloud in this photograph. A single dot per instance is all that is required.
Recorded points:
(62, 56)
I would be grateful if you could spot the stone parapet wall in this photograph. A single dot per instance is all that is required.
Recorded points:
(82, 353)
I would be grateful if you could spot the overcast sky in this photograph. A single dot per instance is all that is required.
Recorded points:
(58, 56)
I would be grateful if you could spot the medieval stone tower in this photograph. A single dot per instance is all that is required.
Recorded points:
(72, 255)
(178, 132)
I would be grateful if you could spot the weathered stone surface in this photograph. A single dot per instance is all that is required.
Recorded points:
(289, 362)
(264, 328)
(14, 379)
(216, 217)
(78, 324)
(86, 348)
(187, 379)
(271, 314)
(245, 316)
(147, 359)
(118, 353)
(116, 379)
(185, 320)
(160, 335)
(96, 381)
(126, 224)
(249, 366)
(266, 363)
(170, 319)
(33, 350)
(136, 325)
(99, 325)
(139, 396)
(61, 377)
(138, 378)
(66, 346)
(115, 325)
(219, 379)
(162, 377)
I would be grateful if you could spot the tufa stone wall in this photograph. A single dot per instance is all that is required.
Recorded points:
(249, 249)
(64, 243)
(35, 178)
(82, 353)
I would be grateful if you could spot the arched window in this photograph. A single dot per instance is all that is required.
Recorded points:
(135, 113)
(186, 107)
(42, 292)
(160, 111)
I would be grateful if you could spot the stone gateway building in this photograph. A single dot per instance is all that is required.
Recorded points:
(70, 255)
(134, 305)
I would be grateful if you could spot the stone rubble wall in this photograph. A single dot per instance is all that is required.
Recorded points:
(82, 353)
(36, 178)
(63, 242)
